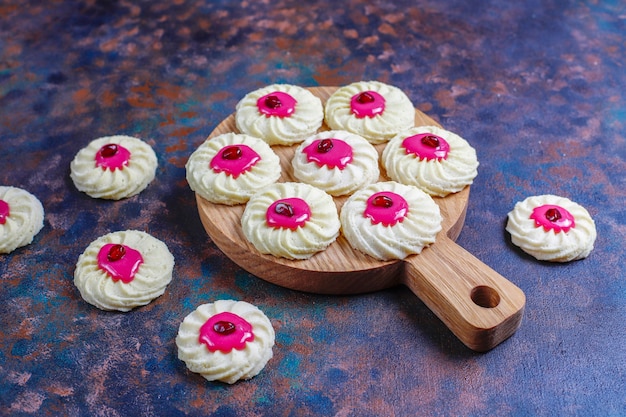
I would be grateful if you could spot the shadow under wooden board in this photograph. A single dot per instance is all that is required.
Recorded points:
(477, 304)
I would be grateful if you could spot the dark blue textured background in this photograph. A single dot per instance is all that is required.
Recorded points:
(537, 87)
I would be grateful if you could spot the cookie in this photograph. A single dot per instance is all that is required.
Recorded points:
(337, 162)
(389, 220)
(371, 109)
(280, 114)
(226, 341)
(114, 167)
(290, 220)
(21, 218)
(229, 168)
(552, 228)
(123, 270)
(436, 160)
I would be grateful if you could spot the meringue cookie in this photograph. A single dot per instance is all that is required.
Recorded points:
(123, 270)
(280, 114)
(378, 116)
(261, 167)
(436, 174)
(21, 218)
(552, 228)
(404, 221)
(305, 220)
(226, 341)
(114, 167)
(353, 162)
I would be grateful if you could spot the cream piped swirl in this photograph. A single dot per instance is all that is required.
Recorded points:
(361, 170)
(232, 366)
(223, 188)
(24, 220)
(150, 281)
(305, 120)
(437, 177)
(127, 181)
(549, 245)
(319, 231)
(398, 114)
(416, 230)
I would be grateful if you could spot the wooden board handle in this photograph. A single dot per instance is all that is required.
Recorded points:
(477, 304)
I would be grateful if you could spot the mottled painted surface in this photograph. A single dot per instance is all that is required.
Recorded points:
(537, 87)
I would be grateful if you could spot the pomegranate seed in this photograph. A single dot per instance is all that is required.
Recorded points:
(284, 209)
(365, 98)
(553, 214)
(116, 253)
(273, 102)
(231, 153)
(325, 146)
(430, 141)
(382, 201)
(224, 327)
(107, 151)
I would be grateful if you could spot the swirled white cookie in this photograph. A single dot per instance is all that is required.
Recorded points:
(389, 220)
(336, 161)
(229, 168)
(552, 228)
(280, 114)
(123, 270)
(226, 341)
(436, 160)
(290, 220)
(371, 109)
(114, 167)
(21, 218)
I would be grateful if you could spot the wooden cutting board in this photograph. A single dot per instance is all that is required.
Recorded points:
(477, 304)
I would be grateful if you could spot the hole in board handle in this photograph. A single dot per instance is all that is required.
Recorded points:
(484, 296)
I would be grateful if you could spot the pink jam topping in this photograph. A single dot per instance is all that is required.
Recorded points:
(234, 160)
(288, 213)
(330, 152)
(386, 207)
(112, 156)
(225, 332)
(4, 211)
(367, 104)
(427, 146)
(119, 261)
(552, 217)
(276, 104)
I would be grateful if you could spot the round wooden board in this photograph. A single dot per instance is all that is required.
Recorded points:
(437, 276)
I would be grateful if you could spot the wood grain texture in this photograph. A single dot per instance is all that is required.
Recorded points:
(477, 304)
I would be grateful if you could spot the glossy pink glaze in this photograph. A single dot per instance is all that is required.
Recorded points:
(4, 211)
(124, 268)
(299, 213)
(542, 216)
(339, 155)
(421, 145)
(223, 162)
(112, 156)
(367, 104)
(390, 214)
(277, 104)
(236, 338)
